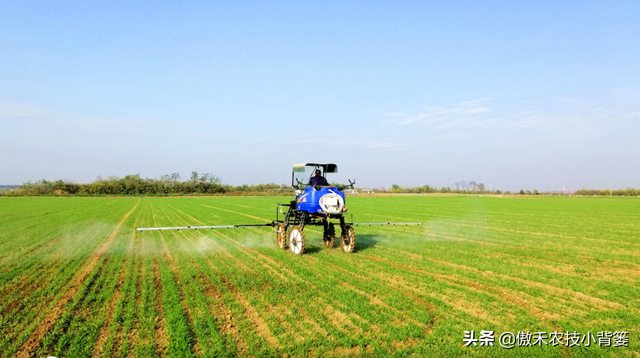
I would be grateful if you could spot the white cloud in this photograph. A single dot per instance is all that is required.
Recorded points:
(385, 146)
(477, 117)
(463, 111)
(474, 102)
(476, 110)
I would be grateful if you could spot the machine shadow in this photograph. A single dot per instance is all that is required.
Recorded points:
(363, 243)
(313, 249)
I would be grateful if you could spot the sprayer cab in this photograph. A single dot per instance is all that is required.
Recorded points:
(304, 172)
(323, 200)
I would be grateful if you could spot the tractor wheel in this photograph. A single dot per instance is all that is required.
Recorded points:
(348, 240)
(296, 240)
(330, 236)
(281, 236)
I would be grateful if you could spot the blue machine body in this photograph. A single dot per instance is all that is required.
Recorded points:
(309, 200)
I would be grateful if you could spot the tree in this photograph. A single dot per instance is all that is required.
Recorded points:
(209, 178)
(521, 192)
(212, 178)
(473, 185)
(194, 176)
(535, 192)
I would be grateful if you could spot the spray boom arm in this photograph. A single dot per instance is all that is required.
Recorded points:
(271, 224)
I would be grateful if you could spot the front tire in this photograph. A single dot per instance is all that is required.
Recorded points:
(330, 236)
(281, 236)
(348, 240)
(296, 240)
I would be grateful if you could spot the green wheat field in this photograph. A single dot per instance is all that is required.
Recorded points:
(77, 280)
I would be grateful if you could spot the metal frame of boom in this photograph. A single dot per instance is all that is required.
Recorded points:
(293, 217)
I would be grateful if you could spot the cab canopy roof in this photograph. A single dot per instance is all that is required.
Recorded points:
(327, 167)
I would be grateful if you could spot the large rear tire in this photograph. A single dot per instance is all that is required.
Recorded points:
(348, 240)
(296, 240)
(330, 236)
(281, 236)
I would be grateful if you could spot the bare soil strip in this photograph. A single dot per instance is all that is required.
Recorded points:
(196, 349)
(119, 337)
(375, 300)
(23, 288)
(258, 323)
(428, 305)
(504, 295)
(33, 342)
(134, 335)
(175, 271)
(394, 281)
(544, 234)
(290, 332)
(47, 273)
(103, 333)
(308, 320)
(161, 336)
(256, 320)
(594, 301)
(634, 269)
(221, 312)
(366, 278)
(247, 269)
(603, 273)
(461, 305)
(356, 351)
(337, 318)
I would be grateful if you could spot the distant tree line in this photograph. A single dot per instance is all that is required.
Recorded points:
(206, 183)
(605, 192)
(529, 192)
(462, 187)
(472, 188)
(209, 183)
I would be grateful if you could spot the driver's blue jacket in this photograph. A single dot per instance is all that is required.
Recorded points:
(318, 180)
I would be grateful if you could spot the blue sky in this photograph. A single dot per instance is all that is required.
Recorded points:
(512, 94)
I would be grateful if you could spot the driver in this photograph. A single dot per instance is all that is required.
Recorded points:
(318, 179)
